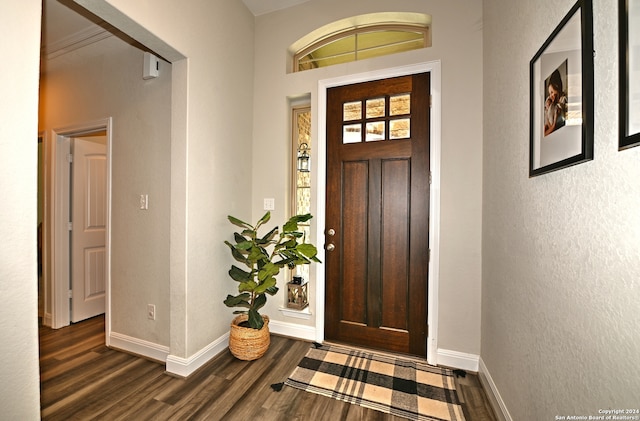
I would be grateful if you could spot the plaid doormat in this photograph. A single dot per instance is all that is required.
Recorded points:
(400, 387)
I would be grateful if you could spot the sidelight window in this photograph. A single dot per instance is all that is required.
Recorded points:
(301, 180)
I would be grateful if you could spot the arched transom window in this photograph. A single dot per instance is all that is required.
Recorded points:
(361, 37)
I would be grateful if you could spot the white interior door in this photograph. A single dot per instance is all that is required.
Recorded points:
(89, 220)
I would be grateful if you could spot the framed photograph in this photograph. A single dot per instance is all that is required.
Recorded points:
(629, 34)
(561, 94)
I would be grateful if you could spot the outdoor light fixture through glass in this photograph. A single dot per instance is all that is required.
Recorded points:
(304, 162)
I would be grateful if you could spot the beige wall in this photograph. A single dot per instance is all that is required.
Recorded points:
(19, 396)
(104, 80)
(457, 43)
(561, 267)
(211, 119)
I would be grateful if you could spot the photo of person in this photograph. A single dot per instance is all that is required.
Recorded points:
(555, 106)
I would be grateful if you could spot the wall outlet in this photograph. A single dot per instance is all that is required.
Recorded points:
(151, 311)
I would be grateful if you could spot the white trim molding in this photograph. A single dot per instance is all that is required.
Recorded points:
(293, 330)
(490, 388)
(60, 212)
(74, 41)
(183, 367)
(456, 359)
(138, 346)
(304, 314)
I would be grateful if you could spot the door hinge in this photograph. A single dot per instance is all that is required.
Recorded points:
(69, 158)
(430, 101)
(429, 255)
(70, 226)
(70, 293)
(430, 178)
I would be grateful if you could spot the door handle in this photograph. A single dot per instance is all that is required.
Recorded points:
(331, 232)
(330, 247)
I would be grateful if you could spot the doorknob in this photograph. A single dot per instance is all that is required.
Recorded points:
(331, 247)
(331, 232)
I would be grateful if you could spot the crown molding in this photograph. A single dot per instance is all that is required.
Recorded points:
(74, 41)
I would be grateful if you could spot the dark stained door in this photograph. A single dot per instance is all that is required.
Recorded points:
(377, 212)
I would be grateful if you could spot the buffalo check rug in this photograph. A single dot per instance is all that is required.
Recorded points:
(401, 387)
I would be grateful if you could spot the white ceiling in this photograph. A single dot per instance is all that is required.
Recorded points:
(67, 26)
(261, 7)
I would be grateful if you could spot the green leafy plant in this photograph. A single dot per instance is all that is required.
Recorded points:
(264, 256)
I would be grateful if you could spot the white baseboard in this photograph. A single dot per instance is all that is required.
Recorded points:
(455, 359)
(292, 330)
(183, 367)
(138, 346)
(498, 405)
(46, 319)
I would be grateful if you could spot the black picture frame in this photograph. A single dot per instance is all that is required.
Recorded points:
(561, 95)
(629, 45)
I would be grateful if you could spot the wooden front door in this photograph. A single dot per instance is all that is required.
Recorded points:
(377, 212)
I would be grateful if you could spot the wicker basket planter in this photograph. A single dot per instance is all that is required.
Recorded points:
(246, 343)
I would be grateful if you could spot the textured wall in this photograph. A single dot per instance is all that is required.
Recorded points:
(211, 119)
(561, 267)
(19, 388)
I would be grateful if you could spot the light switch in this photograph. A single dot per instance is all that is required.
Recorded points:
(269, 203)
(144, 201)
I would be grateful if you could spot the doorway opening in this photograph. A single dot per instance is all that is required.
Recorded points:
(377, 214)
(434, 70)
(42, 293)
(82, 216)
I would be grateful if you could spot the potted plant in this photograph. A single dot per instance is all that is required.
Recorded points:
(263, 257)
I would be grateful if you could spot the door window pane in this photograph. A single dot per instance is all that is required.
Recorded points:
(375, 131)
(400, 129)
(377, 113)
(400, 104)
(352, 133)
(375, 107)
(352, 111)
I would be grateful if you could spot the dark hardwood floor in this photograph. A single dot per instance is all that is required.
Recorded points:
(82, 379)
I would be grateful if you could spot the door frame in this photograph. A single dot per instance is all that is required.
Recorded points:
(60, 309)
(46, 287)
(433, 68)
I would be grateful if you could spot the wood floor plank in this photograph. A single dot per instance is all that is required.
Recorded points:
(79, 381)
(132, 381)
(90, 389)
(56, 368)
(82, 379)
(140, 404)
